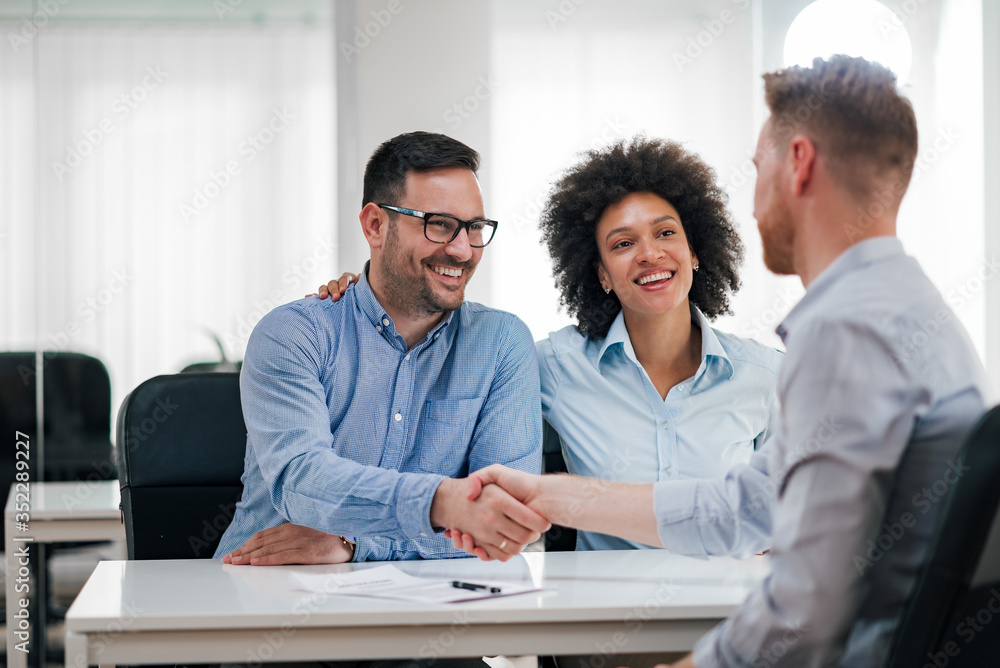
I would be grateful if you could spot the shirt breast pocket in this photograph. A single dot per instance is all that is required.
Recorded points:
(446, 428)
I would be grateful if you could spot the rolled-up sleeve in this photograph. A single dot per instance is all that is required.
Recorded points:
(728, 516)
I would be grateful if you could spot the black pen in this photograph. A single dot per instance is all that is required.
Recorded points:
(468, 585)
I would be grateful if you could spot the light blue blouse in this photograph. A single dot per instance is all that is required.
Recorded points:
(613, 424)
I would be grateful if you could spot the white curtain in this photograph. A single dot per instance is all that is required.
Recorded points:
(163, 183)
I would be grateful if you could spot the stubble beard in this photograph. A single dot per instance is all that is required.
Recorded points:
(776, 237)
(411, 292)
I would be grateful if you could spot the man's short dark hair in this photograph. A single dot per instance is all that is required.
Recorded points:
(865, 131)
(606, 177)
(385, 175)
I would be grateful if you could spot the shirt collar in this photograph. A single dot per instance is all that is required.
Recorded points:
(854, 258)
(710, 345)
(380, 319)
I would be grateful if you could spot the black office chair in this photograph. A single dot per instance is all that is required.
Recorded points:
(76, 400)
(181, 445)
(942, 599)
(558, 538)
(76, 426)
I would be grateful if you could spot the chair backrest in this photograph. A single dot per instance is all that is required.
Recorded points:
(558, 538)
(181, 446)
(77, 391)
(76, 409)
(941, 598)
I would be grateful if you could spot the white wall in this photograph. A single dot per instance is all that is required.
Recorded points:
(408, 64)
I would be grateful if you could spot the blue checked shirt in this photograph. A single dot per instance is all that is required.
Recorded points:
(878, 387)
(351, 433)
(613, 424)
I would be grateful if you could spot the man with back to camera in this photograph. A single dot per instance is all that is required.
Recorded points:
(878, 389)
(363, 413)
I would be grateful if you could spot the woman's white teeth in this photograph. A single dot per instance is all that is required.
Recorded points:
(660, 276)
(448, 271)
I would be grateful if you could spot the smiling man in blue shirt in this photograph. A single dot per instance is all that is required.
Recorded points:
(362, 414)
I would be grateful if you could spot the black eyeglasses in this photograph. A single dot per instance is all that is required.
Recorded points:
(442, 228)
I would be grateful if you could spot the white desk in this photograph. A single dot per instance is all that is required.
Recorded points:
(60, 512)
(204, 610)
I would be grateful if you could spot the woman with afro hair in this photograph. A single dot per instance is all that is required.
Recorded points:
(642, 388)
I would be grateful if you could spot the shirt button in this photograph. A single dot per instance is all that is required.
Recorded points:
(397, 417)
(670, 470)
(680, 388)
(422, 533)
(437, 335)
(666, 425)
(378, 328)
(407, 358)
(385, 321)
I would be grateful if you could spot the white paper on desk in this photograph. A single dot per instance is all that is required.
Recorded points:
(390, 582)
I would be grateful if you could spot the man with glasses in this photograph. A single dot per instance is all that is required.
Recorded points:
(365, 415)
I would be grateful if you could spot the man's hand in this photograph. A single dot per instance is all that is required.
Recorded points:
(498, 523)
(335, 289)
(522, 486)
(291, 544)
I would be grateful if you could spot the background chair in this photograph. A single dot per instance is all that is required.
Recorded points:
(934, 630)
(558, 538)
(76, 426)
(76, 414)
(181, 445)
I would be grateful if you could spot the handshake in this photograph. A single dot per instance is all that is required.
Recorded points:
(492, 514)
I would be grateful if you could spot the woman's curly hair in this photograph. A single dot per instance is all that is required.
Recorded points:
(605, 177)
